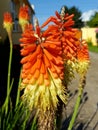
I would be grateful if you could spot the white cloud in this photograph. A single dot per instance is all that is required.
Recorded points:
(87, 15)
(32, 6)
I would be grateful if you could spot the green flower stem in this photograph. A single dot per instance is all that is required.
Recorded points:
(76, 108)
(9, 73)
(18, 91)
(80, 92)
(5, 106)
(9, 66)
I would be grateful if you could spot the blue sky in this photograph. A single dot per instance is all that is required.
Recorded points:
(46, 8)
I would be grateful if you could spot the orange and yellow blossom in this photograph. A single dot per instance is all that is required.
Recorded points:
(24, 16)
(8, 23)
(42, 71)
(62, 28)
(83, 59)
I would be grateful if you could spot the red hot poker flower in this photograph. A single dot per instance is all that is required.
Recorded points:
(83, 58)
(62, 28)
(83, 53)
(24, 16)
(42, 69)
(8, 24)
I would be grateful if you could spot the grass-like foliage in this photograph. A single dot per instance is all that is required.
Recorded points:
(93, 48)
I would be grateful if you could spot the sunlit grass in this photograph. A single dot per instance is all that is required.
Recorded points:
(93, 48)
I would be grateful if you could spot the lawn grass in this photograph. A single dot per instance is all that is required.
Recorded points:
(93, 48)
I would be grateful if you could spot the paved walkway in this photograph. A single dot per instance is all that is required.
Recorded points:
(88, 114)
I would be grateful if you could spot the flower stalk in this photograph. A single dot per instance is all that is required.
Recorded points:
(82, 66)
(76, 108)
(8, 26)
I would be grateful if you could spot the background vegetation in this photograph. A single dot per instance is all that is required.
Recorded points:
(77, 16)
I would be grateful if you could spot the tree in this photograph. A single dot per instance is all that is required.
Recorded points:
(77, 16)
(93, 22)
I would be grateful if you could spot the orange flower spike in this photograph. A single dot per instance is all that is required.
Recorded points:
(86, 48)
(23, 12)
(25, 59)
(46, 61)
(57, 15)
(36, 74)
(28, 49)
(24, 16)
(55, 75)
(52, 68)
(69, 17)
(83, 58)
(62, 29)
(83, 53)
(32, 69)
(38, 62)
(46, 75)
(35, 53)
(45, 68)
(49, 56)
(8, 23)
(41, 79)
(69, 23)
(47, 82)
(50, 19)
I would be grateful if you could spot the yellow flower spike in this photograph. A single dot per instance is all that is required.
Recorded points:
(8, 24)
(83, 59)
(70, 67)
(53, 92)
(24, 16)
(44, 97)
(30, 95)
(32, 80)
(41, 79)
(42, 69)
(48, 97)
(59, 88)
(43, 102)
(82, 67)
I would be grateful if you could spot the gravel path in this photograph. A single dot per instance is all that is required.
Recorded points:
(88, 115)
(92, 89)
